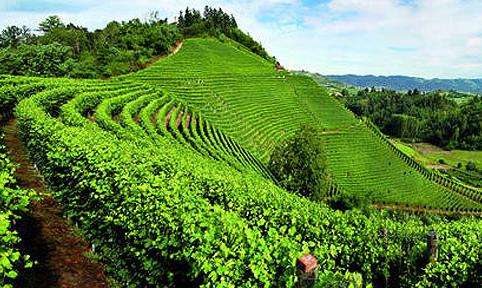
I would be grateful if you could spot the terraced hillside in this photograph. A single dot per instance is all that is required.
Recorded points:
(164, 178)
(243, 96)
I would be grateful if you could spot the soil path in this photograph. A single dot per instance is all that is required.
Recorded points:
(174, 49)
(420, 210)
(177, 47)
(47, 237)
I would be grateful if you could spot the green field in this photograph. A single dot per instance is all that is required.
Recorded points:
(445, 160)
(164, 171)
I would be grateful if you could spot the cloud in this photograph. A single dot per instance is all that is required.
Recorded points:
(429, 38)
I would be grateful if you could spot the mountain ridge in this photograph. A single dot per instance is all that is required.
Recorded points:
(400, 82)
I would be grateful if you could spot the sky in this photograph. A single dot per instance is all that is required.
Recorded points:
(423, 38)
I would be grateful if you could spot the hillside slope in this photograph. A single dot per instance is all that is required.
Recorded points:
(245, 97)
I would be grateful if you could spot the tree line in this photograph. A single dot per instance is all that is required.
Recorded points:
(216, 23)
(72, 51)
(56, 49)
(416, 116)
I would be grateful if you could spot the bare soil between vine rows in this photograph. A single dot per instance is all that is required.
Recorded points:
(47, 237)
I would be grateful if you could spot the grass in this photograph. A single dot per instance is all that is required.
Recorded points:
(445, 160)
(429, 154)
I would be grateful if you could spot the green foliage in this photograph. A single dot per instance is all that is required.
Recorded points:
(427, 117)
(345, 201)
(161, 212)
(120, 48)
(13, 36)
(340, 280)
(245, 98)
(299, 164)
(180, 220)
(211, 21)
(51, 60)
(52, 22)
(12, 93)
(158, 212)
(73, 51)
(470, 166)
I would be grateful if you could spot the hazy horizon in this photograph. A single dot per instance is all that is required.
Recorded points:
(394, 75)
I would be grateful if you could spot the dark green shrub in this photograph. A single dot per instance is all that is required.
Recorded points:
(299, 163)
(346, 201)
(470, 166)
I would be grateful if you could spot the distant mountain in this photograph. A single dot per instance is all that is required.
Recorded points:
(410, 83)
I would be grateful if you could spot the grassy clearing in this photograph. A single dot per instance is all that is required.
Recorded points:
(429, 154)
(446, 161)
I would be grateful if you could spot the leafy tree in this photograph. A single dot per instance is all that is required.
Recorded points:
(299, 163)
(52, 22)
(52, 60)
(470, 166)
(76, 52)
(346, 201)
(12, 36)
(73, 36)
(120, 47)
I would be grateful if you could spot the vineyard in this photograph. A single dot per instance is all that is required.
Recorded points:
(165, 172)
(258, 107)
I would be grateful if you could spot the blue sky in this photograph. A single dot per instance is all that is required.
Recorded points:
(426, 38)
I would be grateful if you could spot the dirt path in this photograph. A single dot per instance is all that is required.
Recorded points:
(174, 49)
(177, 47)
(47, 237)
(419, 210)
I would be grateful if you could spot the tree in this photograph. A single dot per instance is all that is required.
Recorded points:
(155, 18)
(51, 60)
(299, 163)
(470, 166)
(76, 37)
(12, 36)
(52, 22)
(217, 23)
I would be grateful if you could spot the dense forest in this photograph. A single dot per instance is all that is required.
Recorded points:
(417, 116)
(73, 51)
(405, 83)
(57, 49)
